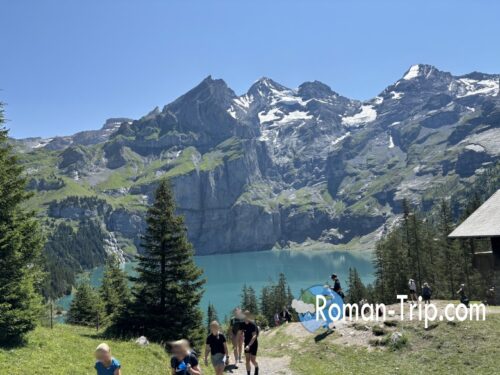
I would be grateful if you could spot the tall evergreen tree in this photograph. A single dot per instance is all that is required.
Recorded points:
(114, 291)
(249, 300)
(86, 307)
(20, 251)
(274, 297)
(168, 287)
(357, 290)
(211, 315)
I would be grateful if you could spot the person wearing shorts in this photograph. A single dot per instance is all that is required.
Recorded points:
(250, 332)
(216, 345)
(236, 335)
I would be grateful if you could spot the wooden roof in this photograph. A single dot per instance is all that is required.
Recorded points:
(484, 222)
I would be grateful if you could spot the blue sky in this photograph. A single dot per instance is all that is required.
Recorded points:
(68, 65)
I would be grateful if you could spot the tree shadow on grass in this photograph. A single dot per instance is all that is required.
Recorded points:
(95, 336)
(10, 344)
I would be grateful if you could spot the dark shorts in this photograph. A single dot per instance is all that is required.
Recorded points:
(413, 291)
(253, 348)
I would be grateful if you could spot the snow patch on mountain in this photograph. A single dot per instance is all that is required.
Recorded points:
(396, 95)
(414, 72)
(295, 116)
(270, 116)
(470, 87)
(391, 142)
(244, 101)
(341, 138)
(42, 143)
(367, 114)
(475, 148)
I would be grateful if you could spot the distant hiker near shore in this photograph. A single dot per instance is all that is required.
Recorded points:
(426, 293)
(463, 297)
(251, 332)
(490, 296)
(337, 288)
(236, 323)
(285, 315)
(106, 364)
(277, 319)
(183, 361)
(412, 286)
(216, 345)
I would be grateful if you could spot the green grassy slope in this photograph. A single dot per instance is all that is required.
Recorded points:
(69, 350)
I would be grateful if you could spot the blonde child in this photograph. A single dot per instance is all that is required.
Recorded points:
(217, 347)
(106, 364)
(184, 361)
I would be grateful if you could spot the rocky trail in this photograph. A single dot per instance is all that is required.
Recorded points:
(267, 366)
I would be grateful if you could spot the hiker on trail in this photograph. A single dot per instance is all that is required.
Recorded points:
(184, 361)
(490, 296)
(463, 297)
(251, 332)
(236, 323)
(285, 315)
(412, 286)
(106, 364)
(336, 286)
(426, 293)
(216, 345)
(276, 319)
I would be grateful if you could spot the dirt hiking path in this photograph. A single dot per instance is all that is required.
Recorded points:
(267, 366)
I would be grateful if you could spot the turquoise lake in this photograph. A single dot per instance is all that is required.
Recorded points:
(227, 273)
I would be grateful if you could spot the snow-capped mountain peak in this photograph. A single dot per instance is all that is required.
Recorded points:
(419, 70)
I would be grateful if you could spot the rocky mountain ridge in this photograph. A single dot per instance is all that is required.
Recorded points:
(280, 167)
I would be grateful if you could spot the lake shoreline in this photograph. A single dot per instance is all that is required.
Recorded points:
(226, 274)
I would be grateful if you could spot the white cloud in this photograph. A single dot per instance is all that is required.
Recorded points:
(302, 307)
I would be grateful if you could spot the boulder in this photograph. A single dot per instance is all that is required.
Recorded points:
(142, 341)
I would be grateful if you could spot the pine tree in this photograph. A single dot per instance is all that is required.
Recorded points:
(357, 290)
(274, 297)
(249, 300)
(114, 291)
(20, 251)
(86, 308)
(168, 287)
(211, 315)
(267, 305)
